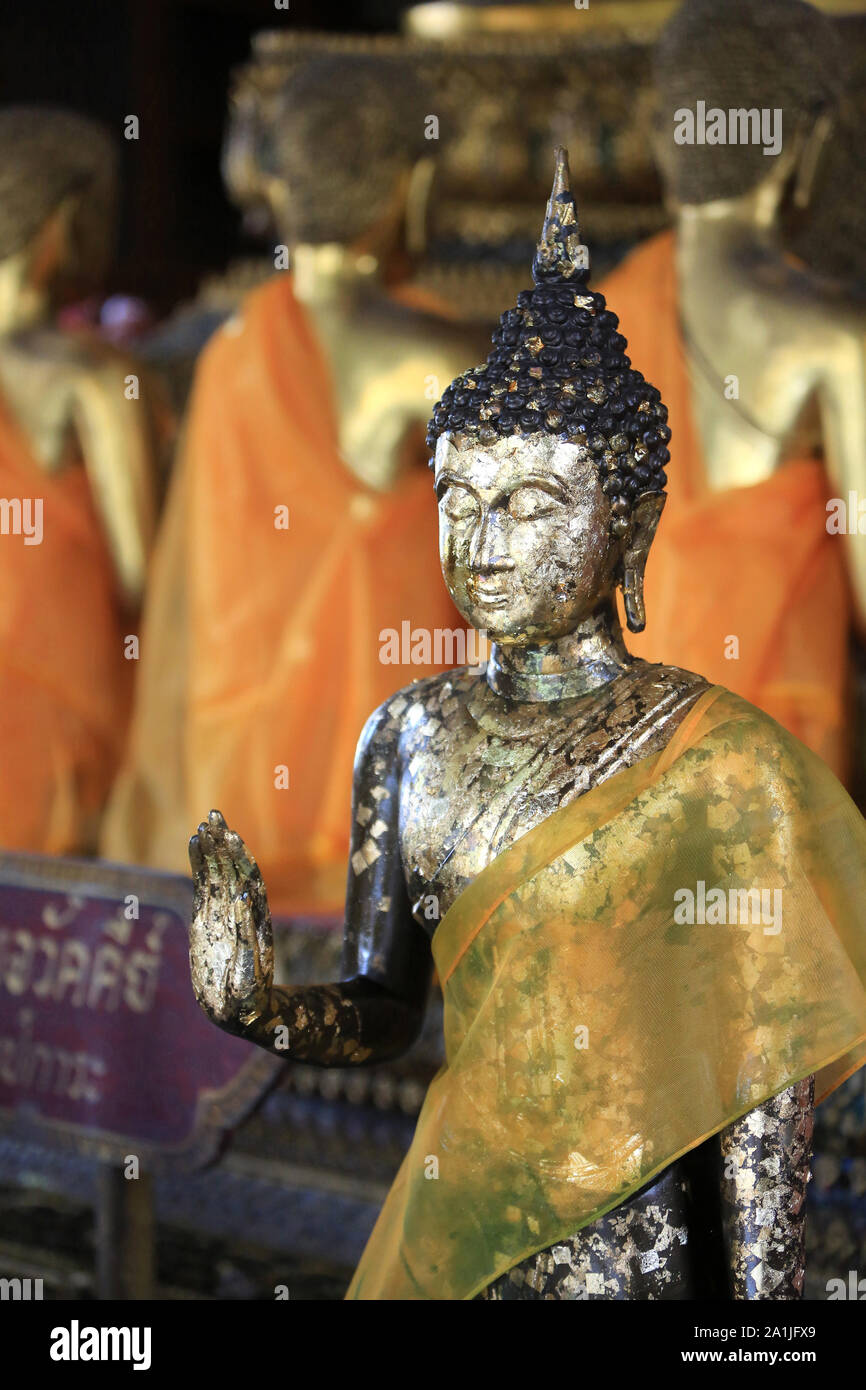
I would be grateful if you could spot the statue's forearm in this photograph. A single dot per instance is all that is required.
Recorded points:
(348, 1024)
(765, 1170)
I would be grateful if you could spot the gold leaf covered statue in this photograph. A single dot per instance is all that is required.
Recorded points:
(760, 361)
(77, 482)
(644, 899)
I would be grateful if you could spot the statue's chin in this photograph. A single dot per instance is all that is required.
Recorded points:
(520, 635)
(510, 624)
(496, 627)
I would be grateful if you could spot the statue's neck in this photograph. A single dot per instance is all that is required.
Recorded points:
(331, 275)
(565, 669)
(705, 229)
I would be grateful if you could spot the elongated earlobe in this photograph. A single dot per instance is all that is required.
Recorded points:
(633, 600)
(644, 520)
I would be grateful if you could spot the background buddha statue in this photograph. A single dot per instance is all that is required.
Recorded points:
(80, 454)
(530, 820)
(345, 187)
(301, 492)
(759, 358)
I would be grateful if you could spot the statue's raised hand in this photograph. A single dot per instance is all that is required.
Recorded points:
(230, 938)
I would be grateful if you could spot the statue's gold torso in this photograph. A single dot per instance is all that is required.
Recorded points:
(69, 397)
(777, 360)
(766, 342)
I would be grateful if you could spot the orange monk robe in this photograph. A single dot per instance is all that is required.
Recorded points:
(261, 655)
(755, 564)
(64, 681)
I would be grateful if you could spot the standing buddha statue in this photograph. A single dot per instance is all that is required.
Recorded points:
(760, 361)
(78, 456)
(642, 896)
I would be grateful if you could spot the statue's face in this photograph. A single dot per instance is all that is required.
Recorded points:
(524, 534)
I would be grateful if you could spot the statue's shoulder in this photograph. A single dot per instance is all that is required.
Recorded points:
(664, 697)
(76, 352)
(668, 684)
(731, 717)
(248, 328)
(412, 707)
(405, 323)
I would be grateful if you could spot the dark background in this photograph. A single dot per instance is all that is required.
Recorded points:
(168, 62)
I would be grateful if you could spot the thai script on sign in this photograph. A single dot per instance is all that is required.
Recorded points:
(47, 1069)
(121, 972)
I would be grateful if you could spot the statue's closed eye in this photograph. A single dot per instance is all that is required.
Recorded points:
(527, 503)
(458, 503)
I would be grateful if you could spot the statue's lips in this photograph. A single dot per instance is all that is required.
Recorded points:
(490, 593)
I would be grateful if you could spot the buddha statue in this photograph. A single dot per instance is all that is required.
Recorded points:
(79, 463)
(571, 836)
(759, 358)
(303, 469)
(352, 251)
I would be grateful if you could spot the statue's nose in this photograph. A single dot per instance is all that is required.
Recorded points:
(488, 548)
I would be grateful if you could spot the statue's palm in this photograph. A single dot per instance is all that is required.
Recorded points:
(231, 941)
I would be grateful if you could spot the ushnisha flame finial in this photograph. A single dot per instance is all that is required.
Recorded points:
(560, 254)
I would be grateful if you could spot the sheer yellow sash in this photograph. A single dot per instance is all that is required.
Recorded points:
(654, 960)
